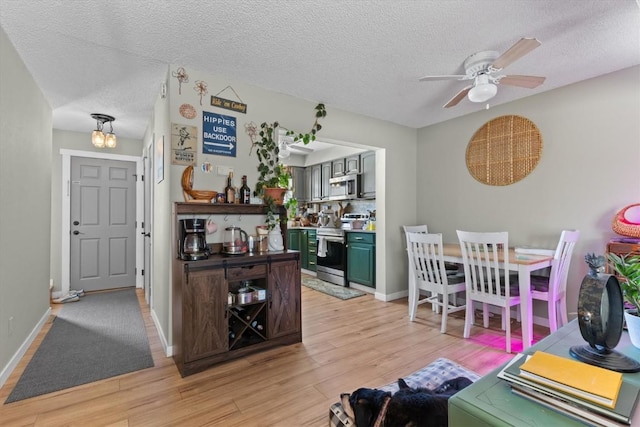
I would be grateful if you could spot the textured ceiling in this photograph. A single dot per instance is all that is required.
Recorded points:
(362, 56)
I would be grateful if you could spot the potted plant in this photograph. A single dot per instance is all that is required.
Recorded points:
(273, 176)
(628, 268)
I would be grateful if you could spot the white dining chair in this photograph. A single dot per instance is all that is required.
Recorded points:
(485, 278)
(422, 228)
(429, 274)
(553, 289)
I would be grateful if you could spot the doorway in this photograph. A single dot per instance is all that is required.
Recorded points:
(103, 224)
(135, 258)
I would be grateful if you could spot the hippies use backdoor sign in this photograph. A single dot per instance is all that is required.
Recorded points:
(218, 134)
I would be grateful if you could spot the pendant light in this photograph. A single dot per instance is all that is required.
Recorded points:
(98, 137)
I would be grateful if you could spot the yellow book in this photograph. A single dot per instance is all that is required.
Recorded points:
(585, 381)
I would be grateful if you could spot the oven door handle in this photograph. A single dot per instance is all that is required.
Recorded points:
(333, 239)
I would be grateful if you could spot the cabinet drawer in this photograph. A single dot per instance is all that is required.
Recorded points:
(247, 272)
(361, 238)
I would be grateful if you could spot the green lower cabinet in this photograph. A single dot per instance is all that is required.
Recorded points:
(361, 258)
(312, 250)
(305, 242)
(293, 239)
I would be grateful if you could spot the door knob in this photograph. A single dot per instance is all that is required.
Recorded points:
(146, 234)
(76, 222)
(76, 232)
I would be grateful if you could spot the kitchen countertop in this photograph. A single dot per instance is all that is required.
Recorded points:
(345, 229)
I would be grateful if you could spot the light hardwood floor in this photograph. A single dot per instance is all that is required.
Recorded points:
(360, 342)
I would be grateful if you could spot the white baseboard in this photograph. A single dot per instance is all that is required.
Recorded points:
(163, 340)
(8, 369)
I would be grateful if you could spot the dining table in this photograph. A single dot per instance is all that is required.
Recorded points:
(521, 263)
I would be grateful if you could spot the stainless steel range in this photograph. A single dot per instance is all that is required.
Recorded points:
(332, 255)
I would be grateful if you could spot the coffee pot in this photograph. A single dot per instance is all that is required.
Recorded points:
(235, 241)
(192, 244)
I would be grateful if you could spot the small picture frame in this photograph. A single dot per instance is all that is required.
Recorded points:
(159, 155)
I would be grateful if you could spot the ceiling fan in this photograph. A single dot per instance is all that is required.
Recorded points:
(483, 68)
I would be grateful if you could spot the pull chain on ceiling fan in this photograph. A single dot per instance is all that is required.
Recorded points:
(482, 68)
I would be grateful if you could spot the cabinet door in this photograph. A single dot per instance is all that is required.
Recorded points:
(299, 185)
(293, 239)
(307, 184)
(204, 314)
(312, 250)
(337, 168)
(361, 264)
(326, 175)
(316, 182)
(368, 167)
(352, 165)
(284, 299)
(304, 254)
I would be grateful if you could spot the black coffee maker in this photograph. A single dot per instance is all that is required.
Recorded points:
(192, 243)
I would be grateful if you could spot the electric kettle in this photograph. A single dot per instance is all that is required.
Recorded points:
(235, 241)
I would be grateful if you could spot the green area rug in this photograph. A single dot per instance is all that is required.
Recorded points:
(329, 288)
(100, 336)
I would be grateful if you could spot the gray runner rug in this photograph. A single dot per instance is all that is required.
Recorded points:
(100, 336)
(337, 291)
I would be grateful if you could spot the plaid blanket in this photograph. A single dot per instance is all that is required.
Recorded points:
(431, 376)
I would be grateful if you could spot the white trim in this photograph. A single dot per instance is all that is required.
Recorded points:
(22, 350)
(168, 351)
(65, 250)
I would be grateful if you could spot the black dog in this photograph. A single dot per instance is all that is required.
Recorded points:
(408, 407)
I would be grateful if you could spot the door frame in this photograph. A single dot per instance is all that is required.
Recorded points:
(65, 251)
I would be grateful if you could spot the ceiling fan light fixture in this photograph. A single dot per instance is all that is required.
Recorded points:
(483, 90)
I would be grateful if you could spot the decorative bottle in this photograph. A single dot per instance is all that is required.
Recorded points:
(229, 191)
(245, 191)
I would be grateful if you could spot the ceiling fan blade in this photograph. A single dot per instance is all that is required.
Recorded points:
(458, 97)
(522, 81)
(517, 51)
(449, 77)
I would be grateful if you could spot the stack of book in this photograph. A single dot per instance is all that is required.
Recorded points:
(590, 394)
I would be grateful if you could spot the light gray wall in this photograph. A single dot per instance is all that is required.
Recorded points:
(590, 168)
(81, 142)
(25, 197)
(395, 144)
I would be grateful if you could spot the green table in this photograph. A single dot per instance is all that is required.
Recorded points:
(490, 402)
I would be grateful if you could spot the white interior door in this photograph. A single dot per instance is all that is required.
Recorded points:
(103, 224)
(148, 212)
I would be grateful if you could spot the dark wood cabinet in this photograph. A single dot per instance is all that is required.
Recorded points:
(204, 320)
(621, 249)
(208, 326)
(284, 300)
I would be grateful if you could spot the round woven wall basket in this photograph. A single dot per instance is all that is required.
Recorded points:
(627, 221)
(504, 150)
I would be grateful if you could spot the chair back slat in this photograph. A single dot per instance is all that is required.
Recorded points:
(561, 261)
(484, 257)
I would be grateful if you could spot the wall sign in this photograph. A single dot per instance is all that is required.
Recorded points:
(228, 104)
(184, 144)
(218, 134)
